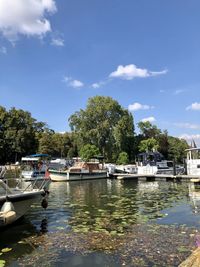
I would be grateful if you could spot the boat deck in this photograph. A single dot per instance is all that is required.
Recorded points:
(156, 177)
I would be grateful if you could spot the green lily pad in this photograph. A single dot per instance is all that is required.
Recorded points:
(2, 263)
(21, 242)
(4, 250)
(87, 212)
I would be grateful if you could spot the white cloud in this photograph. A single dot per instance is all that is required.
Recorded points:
(67, 79)
(137, 106)
(73, 83)
(194, 106)
(3, 50)
(150, 119)
(57, 42)
(76, 84)
(187, 125)
(179, 91)
(131, 71)
(96, 85)
(99, 84)
(26, 17)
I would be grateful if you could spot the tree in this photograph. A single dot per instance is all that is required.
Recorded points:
(46, 145)
(123, 134)
(88, 152)
(122, 158)
(19, 134)
(164, 144)
(177, 148)
(3, 117)
(105, 124)
(148, 130)
(148, 145)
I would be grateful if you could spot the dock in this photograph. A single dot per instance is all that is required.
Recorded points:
(157, 177)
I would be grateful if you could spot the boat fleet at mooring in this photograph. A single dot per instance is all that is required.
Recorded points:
(37, 171)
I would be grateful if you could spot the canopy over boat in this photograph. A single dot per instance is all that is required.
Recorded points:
(35, 157)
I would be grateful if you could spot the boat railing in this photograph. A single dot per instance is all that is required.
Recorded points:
(12, 184)
(5, 186)
(2, 171)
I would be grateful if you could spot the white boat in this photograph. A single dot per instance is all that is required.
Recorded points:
(193, 162)
(154, 163)
(35, 167)
(80, 171)
(148, 163)
(15, 202)
(194, 195)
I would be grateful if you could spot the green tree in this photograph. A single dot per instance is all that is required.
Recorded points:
(122, 158)
(123, 135)
(163, 144)
(46, 144)
(148, 130)
(177, 148)
(3, 148)
(148, 145)
(105, 124)
(19, 133)
(88, 152)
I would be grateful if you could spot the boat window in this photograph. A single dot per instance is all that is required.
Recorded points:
(170, 164)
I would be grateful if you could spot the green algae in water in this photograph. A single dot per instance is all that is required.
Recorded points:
(118, 225)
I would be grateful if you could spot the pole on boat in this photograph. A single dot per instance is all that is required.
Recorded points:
(174, 167)
(185, 166)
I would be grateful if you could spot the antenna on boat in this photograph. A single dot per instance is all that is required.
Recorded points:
(193, 144)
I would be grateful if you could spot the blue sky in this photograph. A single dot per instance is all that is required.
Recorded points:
(54, 55)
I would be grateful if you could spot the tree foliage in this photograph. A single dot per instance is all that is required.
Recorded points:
(105, 124)
(148, 130)
(177, 148)
(57, 144)
(122, 158)
(148, 145)
(17, 134)
(88, 152)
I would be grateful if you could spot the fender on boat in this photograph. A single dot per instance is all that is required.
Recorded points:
(7, 214)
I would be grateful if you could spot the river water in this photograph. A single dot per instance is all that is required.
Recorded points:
(106, 223)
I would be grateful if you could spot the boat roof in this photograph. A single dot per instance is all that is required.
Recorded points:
(38, 155)
(193, 149)
(29, 159)
(34, 157)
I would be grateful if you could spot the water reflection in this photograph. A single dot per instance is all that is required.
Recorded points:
(109, 207)
(12, 236)
(194, 194)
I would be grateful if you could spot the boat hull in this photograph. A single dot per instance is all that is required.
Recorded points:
(21, 201)
(59, 176)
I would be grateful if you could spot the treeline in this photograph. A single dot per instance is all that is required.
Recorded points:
(103, 128)
(21, 135)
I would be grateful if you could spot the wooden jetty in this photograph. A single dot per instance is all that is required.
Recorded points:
(193, 260)
(157, 177)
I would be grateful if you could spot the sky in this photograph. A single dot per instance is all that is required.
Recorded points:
(55, 54)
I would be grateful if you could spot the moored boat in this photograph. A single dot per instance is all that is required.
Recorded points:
(80, 171)
(35, 167)
(193, 162)
(16, 201)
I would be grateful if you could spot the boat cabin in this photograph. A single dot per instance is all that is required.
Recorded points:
(34, 165)
(85, 167)
(193, 161)
(149, 158)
